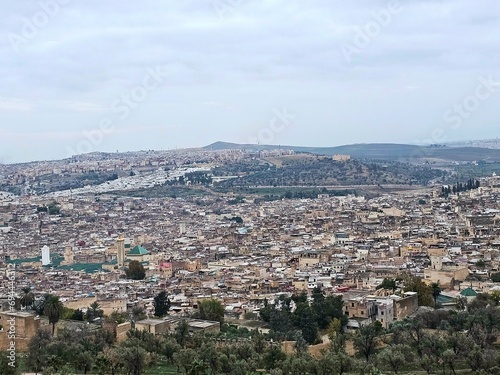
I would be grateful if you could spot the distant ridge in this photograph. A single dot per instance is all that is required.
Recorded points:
(379, 151)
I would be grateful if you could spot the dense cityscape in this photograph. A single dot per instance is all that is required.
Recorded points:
(265, 187)
(320, 276)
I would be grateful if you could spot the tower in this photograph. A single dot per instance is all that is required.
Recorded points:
(120, 254)
(45, 255)
(182, 228)
(68, 256)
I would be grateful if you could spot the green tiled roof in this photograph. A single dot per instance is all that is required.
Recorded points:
(138, 250)
(87, 267)
(469, 292)
(24, 260)
(54, 261)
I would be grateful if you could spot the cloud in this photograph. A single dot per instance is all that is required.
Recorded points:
(228, 71)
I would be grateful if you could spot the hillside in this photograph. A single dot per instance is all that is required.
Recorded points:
(323, 171)
(382, 151)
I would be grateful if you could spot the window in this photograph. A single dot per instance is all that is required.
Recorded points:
(353, 304)
(362, 312)
(381, 313)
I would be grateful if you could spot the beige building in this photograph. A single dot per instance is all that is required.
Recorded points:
(309, 258)
(22, 325)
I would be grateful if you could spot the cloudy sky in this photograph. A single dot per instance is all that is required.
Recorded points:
(87, 75)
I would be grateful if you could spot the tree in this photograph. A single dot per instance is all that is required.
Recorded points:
(394, 357)
(134, 357)
(170, 347)
(181, 333)
(137, 313)
(480, 264)
(305, 318)
(334, 328)
(77, 315)
(424, 291)
(495, 277)
(53, 310)
(135, 271)
(83, 360)
(273, 356)
(28, 298)
(436, 291)
(210, 309)
(365, 339)
(340, 363)
(388, 283)
(161, 304)
(113, 359)
(7, 367)
(40, 305)
(327, 308)
(94, 312)
(37, 351)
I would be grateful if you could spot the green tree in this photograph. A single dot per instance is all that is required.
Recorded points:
(113, 358)
(365, 339)
(94, 312)
(388, 283)
(181, 333)
(304, 318)
(436, 291)
(53, 310)
(134, 357)
(135, 271)
(170, 347)
(327, 308)
(210, 309)
(161, 304)
(7, 367)
(37, 355)
(334, 328)
(424, 291)
(273, 356)
(83, 360)
(28, 298)
(495, 277)
(137, 313)
(394, 357)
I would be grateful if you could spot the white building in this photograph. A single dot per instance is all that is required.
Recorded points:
(45, 255)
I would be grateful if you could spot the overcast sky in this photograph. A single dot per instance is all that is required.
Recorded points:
(88, 75)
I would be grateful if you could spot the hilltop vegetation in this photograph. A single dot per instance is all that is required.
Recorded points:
(321, 171)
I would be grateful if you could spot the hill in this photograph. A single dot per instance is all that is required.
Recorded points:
(381, 151)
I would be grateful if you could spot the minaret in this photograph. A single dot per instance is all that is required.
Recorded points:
(120, 256)
(68, 256)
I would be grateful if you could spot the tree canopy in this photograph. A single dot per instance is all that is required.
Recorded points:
(161, 304)
(135, 271)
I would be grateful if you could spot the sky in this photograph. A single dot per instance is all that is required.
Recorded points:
(79, 76)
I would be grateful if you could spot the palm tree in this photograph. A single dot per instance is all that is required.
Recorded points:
(94, 311)
(53, 310)
(436, 291)
(28, 298)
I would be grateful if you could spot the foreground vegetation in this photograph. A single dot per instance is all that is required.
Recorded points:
(434, 341)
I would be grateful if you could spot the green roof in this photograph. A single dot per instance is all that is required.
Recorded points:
(24, 260)
(138, 250)
(469, 292)
(54, 261)
(87, 267)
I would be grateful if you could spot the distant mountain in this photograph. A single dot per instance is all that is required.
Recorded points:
(380, 151)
